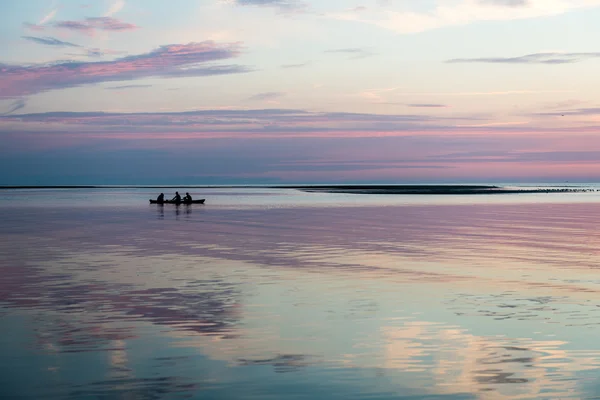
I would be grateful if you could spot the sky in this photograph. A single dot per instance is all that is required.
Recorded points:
(298, 91)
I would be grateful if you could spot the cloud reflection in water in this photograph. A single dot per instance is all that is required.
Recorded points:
(347, 290)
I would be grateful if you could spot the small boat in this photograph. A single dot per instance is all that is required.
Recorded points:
(201, 201)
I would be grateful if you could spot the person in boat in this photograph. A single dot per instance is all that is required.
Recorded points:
(177, 198)
(187, 198)
(160, 198)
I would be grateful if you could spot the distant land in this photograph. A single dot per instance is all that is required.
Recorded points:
(350, 189)
(429, 189)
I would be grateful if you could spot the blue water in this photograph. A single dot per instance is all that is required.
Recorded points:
(277, 293)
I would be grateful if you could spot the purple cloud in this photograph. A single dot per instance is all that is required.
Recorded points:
(169, 61)
(557, 156)
(576, 112)
(537, 58)
(427, 105)
(50, 41)
(266, 96)
(95, 52)
(234, 123)
(123, 87)
(90, 25)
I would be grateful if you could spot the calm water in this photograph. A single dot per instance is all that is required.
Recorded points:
(279, 294)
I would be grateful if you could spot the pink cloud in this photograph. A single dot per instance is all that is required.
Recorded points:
(177, 60)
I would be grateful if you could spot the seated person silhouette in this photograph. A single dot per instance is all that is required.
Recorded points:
(177, 198)
(187, 198)
(160, 198)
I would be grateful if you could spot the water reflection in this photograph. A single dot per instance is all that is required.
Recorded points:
(281, 362)
(373, 302)
(508, 305)
(178, 209)
(458, 361)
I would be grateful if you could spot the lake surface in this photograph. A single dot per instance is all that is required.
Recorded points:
(281, 294)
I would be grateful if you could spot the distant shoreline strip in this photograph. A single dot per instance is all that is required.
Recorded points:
(435, 190)
(347, 189)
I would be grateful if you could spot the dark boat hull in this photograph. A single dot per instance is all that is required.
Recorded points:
(201, 201)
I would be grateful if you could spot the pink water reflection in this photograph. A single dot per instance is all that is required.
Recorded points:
(491, 292)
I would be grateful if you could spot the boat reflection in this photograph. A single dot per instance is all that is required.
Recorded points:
(178, 209)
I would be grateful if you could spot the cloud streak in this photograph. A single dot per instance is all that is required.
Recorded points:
(427, 105)
(89, 26)
(577, 112)
(282, 5)
(115, 8)
(34, 27)
(462, 12)
(48, 17)
(554, 156)
(234, 123)
(123, 87)
(267, 96)
(535, 58)
(50, 41)
(506, 3)
(169, 61)
(353, 53)
(299, 65)
(15, 106)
